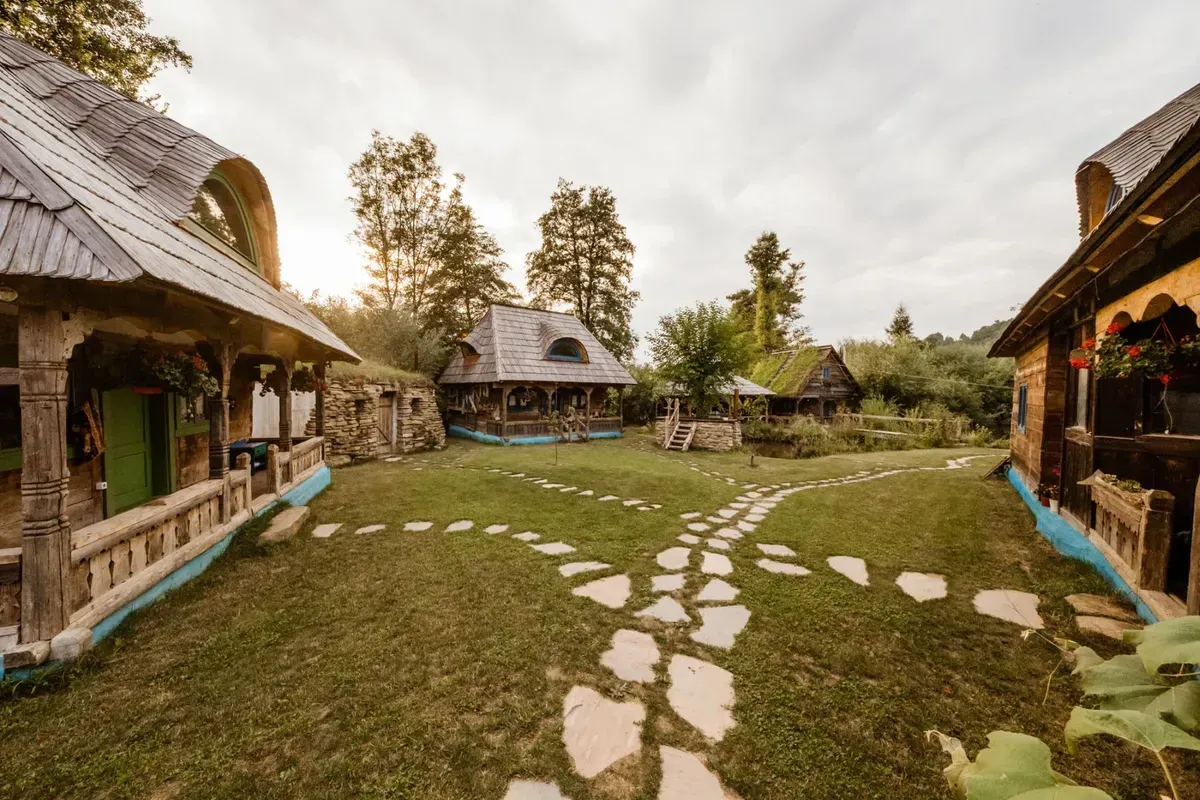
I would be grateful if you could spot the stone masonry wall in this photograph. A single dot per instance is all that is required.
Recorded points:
(720, 435)
(352, 420)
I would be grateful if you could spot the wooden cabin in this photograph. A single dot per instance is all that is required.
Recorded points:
(814, 381)
(1105, 376)
(518, 366)
(139, 300)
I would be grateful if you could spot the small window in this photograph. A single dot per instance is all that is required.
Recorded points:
(1114, 196)
(217, 210)
(565, 350)
(826, 372)
(1022, 406)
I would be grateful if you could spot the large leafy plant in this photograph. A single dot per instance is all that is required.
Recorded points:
(1151, 699)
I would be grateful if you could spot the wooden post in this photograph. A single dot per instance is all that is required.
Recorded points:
(243, 464)
(283, 387)
(45, 527)
(1155, 535)
(221, 361)
(319, 425)
(1193, 592)
(273, 481)
(621, 406)
(737, 407)
(504, 390)
(587, 419)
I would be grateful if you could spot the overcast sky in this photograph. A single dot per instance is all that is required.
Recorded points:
(915, 152)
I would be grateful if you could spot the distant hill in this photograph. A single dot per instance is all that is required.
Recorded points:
(984, 336)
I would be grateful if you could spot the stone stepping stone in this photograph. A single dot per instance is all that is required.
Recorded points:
(608, 497)
(702, 694)
(533, 790)
(527, 536)
(738, 506)
(634, 502)
(665, 609)
(690, 515)
(729, 533)
(717, 591)
(684, 777)
(326, 530)
(744, 499)
(536, 480)
(632, 656)
(598, 732)
(922, 586)
(586, 493)
(417, 469)
(754, 495)
(552, 485)
(727, 513)
(394, 459)
(495, 529)
(418, 525)
(612, 591)
(777, 550)
(715, 564)
(748, 527)
(1112, 628)
(554, 548)
(717, 520)
(494, 469)
(719, 544)
(755, 517)
(673, 558)
(780, 567)
(767, 504)
(517, 475)
(1011, 606)
(721, 625)
(579, 567)
(853, 568)
(759, 510)
(370, 528)
(667, 583)
(653, 506)
(698, 526)
(1095, 605)
(461, 525)
(566, 489)
(688, 538)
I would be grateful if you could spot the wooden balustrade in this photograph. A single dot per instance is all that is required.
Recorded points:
(602, 424)
(1133, 529)
(304, 456)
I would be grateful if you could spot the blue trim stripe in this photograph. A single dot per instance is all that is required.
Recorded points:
(487, 438)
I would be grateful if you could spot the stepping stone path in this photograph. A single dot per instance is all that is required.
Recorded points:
(716, 591)
(461, 525)
(727, 513)
(326, 530)
(370, 528)
(699, 527)
(684, 777)
(533, 790)
(608, 497)
(730, 533)
(668, 583)
(632, 656)
(748, 527)
(719, 544)
(612, 591)
(419, 525)
(552, 485)
(755, 517)
(922, 586)
(702, 694)
(527, 536)
(691, 515)
(598, 732)
(495, 529)
(853, 568)
(554, 548)
(688, 538)
(632, 502)
(721, 625)
(674, 558)
(716, 564)
(586, 493)
(771, 565)
(1012, 606)
(579, 567)
(777, 550)
(665, 609)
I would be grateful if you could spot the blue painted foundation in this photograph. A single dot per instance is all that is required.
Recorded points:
(298, 496)
(487, 438)
(1067, 540)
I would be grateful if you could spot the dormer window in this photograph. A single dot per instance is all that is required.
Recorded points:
(1114, 196)
(566, 350)
(218, 210)
(469, 353)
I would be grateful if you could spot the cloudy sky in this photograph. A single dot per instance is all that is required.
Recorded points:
(915, 152)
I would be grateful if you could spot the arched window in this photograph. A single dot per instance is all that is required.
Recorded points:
(219, 211)
(566, 350)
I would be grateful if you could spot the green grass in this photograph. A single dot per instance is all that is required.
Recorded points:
(405, 665)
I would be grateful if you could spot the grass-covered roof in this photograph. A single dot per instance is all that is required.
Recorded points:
(374, 372)
(786, 373)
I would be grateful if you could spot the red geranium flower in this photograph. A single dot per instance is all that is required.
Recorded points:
(1165, 378)
(1114, 328)
(1135, 351)
(1089, 344)
(1080, 363)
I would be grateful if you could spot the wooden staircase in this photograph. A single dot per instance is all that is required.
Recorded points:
(681, 438)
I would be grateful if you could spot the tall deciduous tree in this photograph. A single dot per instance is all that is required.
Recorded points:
(902, 326)
(586, 262)
(699, 349)
(776, 295)
(106, 39)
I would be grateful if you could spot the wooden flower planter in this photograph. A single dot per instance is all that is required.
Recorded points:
(1136, 528)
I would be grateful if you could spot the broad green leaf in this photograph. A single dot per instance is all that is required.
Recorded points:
(1011, 764)
(1175, 641)
(1086, 658)
(1064, 793)
(1180, 705)
(1123, 684)
(1144, 730)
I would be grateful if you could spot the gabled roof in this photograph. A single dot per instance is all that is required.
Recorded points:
(511, 342)
(744, 387)
(786, 373)
(94, 186)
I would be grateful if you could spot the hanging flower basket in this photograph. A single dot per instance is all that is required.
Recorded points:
(304, 380)
(1112, 356)
(152, 370)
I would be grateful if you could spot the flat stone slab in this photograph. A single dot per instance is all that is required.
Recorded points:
(690, 515)
(721, 625)
(727, 513)
(667, 583)
(632, 656)
(673, 558)
(1097, 605)
(730, 533)
(699, 527)
(717, 591)
(533, 790)
(612, 591)
(461, 525)
(608, 497)
(527, 536)
(719, 544)
(684, 777)
(394, 459)
(688, 538)
(665, 609)
(738, 506)
(578, 567)
(715, 564)
(754, 517)
(554, 548)
(777, 550)
(758, 509)
(853, 568)
(370, 528)
(782, 568)
(598, 732)
(748, 527)
(586, 493)
(1019, 608)
(922, 586)
(1112, 628)
(553, 485)
(566, 489)
(495, 529)
(702, 694)
(326, 530)
(284, 525)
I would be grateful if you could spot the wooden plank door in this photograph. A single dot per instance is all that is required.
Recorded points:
(386, 423)
(127, 454)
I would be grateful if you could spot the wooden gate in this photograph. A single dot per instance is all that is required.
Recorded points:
(386, 424)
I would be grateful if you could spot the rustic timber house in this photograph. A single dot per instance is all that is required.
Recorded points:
(139, 298)
(808, 380)
(521, 364)
(1107, 380)
(720, 430)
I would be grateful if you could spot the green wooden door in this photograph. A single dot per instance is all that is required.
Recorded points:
(127, 453)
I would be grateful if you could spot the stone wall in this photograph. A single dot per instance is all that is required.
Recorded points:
(352, 420)
(714, 434)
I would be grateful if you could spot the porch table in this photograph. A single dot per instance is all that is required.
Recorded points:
(256, 450)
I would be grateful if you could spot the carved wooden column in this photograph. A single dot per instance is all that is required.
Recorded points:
(587, 420)
(221, 358)
(504, 413)
(45, 529)
(319, 424)
(283, 387)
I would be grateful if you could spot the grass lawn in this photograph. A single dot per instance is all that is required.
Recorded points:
(434, 665)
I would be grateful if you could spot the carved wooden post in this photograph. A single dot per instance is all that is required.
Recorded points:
(319, 426)
(587, 420)
(273, 480)
(621, 406)
(283, 387)
(1155, 537)
(243, 464)
(1193, 595)
(45, 528)
(504, 413)
(221, 361)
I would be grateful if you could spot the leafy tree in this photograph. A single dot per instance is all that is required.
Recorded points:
(776, 295)
(586, 261)
(699, 350)
(641, 400)
(106, 39)
(387, 335)
(902, 326)
(470, 273)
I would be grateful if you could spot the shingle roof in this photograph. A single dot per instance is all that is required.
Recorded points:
(512, 342)
(745, 388)
(94, 185)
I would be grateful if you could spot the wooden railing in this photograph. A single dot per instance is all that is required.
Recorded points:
(1134, 530)
(114, 561)
(463, 419)
(305, 456)
(672, 421)
(529, 428)
(603, 424)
